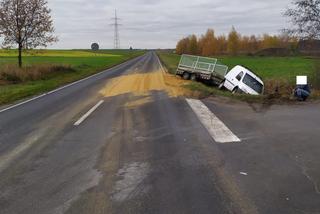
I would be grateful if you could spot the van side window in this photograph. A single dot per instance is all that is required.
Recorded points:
(240, 75)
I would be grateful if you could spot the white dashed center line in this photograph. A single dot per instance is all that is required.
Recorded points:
(84, 117)
(216, 128)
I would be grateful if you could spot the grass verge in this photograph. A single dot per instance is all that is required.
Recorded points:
(46, 70)
(278, 74)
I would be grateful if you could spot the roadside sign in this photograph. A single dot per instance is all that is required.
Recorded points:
(302, 80)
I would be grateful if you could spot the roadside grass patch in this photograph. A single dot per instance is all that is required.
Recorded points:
(170, 61)
(206, 91)
(46, 70)
(12, 74)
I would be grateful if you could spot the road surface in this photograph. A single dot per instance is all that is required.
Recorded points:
(123, 141)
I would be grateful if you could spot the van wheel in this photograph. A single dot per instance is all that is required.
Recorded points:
(221, 86)
(186, 76)
(235, 90)
(193, 77)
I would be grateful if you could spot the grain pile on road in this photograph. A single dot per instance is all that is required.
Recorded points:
(144, 83)
(138, 101)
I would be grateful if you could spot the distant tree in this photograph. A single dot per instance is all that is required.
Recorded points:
(305, 18)
(193, 45)
(245, 44)
(254, 44)
(95, 47)
(221, 44)
(182, 46)
(293, 43)
(287, 41)
(27, 23)
(179, 47)
(200, 44)
(233, 42)
(270, 41)
(209, 43)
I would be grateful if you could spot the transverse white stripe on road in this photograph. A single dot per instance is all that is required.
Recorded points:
(216, 128)
(84, 117)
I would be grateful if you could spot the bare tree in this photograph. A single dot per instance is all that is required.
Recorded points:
(26, 23)
(305, 17)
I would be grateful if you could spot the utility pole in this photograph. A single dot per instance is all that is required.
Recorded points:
(116, 31)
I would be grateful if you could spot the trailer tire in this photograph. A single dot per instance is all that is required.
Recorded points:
(186, 76)
(193, 77)
(221, 86)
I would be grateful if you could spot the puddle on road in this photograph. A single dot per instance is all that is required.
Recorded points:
(143, 83)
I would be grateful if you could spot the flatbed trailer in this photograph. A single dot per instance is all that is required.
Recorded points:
(201, 68)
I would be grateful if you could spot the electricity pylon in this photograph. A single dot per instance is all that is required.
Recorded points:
(116, 31)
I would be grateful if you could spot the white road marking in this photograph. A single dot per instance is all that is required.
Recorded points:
(84, 117)
(161, 66)
(63, 87)
(24, 102)
(243, 173)
(7, 159)
(216, 128)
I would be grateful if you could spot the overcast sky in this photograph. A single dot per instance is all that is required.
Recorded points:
(160, 23)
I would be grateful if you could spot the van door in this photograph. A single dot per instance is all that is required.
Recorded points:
(237, 79)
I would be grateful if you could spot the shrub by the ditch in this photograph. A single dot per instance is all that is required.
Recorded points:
(13, 74)
(278, 87)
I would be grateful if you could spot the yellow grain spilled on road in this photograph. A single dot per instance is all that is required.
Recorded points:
(144, 83)
(138, 102)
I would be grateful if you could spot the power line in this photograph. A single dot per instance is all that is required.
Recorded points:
(116, 25)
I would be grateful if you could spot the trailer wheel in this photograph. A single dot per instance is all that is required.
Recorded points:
(221, 86)
(193, 77)
(186, 76)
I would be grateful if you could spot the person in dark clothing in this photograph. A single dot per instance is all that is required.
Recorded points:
(302, 92)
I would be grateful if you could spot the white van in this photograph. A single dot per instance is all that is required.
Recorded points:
(242, 80)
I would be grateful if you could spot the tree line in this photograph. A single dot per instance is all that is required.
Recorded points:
(234, 43)
(304, 18)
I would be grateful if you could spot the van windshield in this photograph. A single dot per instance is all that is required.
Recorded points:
(253, 83)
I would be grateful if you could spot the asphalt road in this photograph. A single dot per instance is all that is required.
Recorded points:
(137, 149)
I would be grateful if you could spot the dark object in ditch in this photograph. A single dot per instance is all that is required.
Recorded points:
(302, 92)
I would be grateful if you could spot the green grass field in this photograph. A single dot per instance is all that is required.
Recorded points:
(83, 63)
(266, 67)
(270, 69)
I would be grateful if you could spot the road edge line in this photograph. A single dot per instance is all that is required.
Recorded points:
(163, 70)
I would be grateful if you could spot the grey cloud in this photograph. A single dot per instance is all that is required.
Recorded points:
(159, 24)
